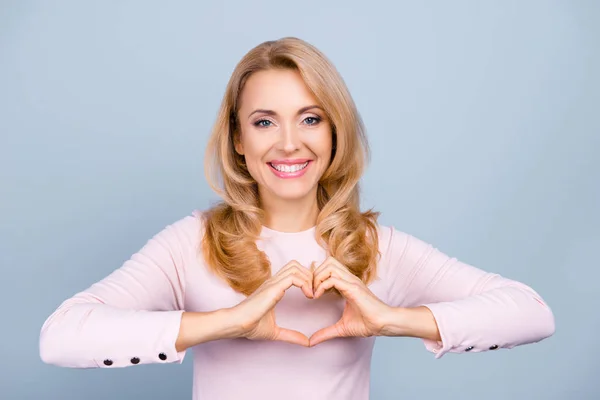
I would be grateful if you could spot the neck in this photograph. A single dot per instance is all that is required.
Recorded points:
(290, 216)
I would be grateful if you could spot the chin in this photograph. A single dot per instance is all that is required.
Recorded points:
(291, 191)
(291, 194)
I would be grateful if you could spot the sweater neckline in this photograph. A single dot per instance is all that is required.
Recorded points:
(266, 231)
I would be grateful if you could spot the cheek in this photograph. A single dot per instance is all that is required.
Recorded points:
(322, 144)
(253, 148)
(254, 167)
(254, 153)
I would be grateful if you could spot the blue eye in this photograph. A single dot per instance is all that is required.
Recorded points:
(261, 123)
(315, 120)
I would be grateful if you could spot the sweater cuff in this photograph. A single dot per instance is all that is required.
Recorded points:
(460, 332)
(157, 346)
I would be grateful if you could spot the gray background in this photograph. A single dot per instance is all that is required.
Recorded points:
(483, 120)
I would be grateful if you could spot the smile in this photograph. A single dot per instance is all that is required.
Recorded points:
(287, 170)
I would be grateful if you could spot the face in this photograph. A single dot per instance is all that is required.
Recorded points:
(285, 137)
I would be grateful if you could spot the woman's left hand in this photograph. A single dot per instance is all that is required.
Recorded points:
(364, 314)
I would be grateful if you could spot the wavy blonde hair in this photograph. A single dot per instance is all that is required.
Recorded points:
(232, 227)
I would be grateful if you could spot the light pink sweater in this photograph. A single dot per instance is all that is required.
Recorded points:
(132, 316)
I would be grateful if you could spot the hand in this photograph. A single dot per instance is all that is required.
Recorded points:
(257, 314)
(364, 314)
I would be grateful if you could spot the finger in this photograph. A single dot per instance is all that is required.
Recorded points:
(291, 336)
(294, 279)
(333, 269)
(323, 271)
(324, 334)
(303, 271)
(343, 286)
(292, 264)
(295, 265)
(332, 263)
(275, 291)
(325, 274)
(300, 271)
(328, 261)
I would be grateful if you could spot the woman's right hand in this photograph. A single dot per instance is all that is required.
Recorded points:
(256, 314)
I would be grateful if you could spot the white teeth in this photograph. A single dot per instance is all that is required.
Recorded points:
(289, 168)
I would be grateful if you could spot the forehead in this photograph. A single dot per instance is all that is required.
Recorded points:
(280, 90)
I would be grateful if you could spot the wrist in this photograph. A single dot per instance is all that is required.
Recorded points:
(230, 323)
(201, 327)
(395, 322)
(418, 322)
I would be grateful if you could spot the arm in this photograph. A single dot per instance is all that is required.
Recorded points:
(134, 315)
(455, 307)
(201, 327)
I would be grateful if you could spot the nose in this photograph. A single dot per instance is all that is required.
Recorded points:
(289, 139)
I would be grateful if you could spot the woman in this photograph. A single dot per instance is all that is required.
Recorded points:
(287, 281)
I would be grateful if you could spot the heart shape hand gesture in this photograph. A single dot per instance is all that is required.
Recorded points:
(364, 314)
(256, 314)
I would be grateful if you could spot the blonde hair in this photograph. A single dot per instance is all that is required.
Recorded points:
(232, 227)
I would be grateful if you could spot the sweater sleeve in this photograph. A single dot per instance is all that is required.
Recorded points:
(475, 310)
(131, 316)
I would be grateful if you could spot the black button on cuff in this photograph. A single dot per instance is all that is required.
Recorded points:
(108, 362)
(135, 360)
(494, 347)
(469, 348)
(162, 356)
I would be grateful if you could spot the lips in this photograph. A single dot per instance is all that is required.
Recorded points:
(289, 168)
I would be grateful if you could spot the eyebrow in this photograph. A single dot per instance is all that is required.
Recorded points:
(271, 112)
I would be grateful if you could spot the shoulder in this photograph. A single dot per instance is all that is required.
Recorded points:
(189, 223)
(183, 232)
(397, 246)
(391, 239)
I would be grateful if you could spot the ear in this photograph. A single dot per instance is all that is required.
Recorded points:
(237, 144)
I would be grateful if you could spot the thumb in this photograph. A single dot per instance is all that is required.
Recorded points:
(325, 334)
(291, 336)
